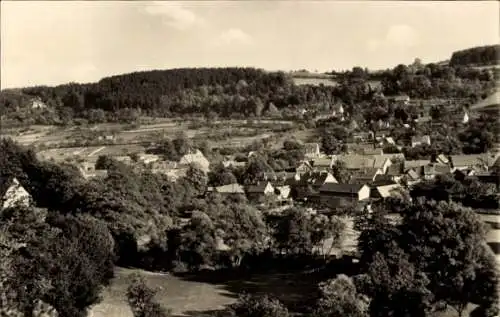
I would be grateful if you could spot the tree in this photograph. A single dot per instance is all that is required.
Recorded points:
(141, 299)
(198, 242)
(220, 176)
(340, 172)
(262, 306)
(437, 254)
(340, 298)
(197, 179)
(255, 170)
(65, 267)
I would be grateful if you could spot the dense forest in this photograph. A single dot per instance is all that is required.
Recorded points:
(480, 56)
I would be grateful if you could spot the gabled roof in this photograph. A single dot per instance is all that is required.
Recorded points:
(395, 169)
(315, 178)
(414, 175)
(416, 163)
(469, 160)
(390, 140)
(385, 190)
(259, 188)
(341, 188)
(368, 172)
(355, 161)
(322, 162)
(230, 189)
(442, 158)
(383, 180)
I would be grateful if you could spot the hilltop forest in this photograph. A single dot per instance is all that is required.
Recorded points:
(237, 93)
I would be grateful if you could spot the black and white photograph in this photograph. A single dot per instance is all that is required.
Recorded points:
(267, 158)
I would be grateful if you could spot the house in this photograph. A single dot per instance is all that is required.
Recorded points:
(318, 179)
(259, 191)
(415, 163)
(310, 183)
(37, 103)
(231, 189)
(395, 171)
(197, 159)
(384, 190)
(366, 175)
(311, 150)
(12, 193)
(232, 163)
(88, 170)
(163, 167)
(321, 164)
(303, 167)
(358, 162)
(420, 140)
(400, 99)
(442, 159)
(383, 161)
(466, 161)
(389, 141)
(343, 194)
(281, 178)
(148, 158)
(354, 161)
(465, 118)
(173, 174)
(411, 176)
(338, 110)
(283, 192)
(430, 171)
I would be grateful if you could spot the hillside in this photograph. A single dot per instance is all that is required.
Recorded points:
(476, 56)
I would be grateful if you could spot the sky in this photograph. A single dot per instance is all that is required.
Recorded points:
(55, 42)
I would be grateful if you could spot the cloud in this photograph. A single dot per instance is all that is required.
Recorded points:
(234, 36)
(174, 14)
(400, 36)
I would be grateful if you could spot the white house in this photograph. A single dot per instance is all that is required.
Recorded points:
(37, 103)
(13, 193)
(419, 140)
(465, 118)
(148, 158)
(196, 158)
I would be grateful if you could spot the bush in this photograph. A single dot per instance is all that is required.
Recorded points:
(261, 306)
(141, 300)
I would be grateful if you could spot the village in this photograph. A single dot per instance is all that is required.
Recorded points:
(249, 159)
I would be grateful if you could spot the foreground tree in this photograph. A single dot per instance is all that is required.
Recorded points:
(339, 298)
(65, 267)
(436, 255)
(141, 300)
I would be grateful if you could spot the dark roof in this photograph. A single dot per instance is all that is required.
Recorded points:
(383, 180)
(5, 183)
(341, 188)
(395, 169)
(314, 178)
(259, 188)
